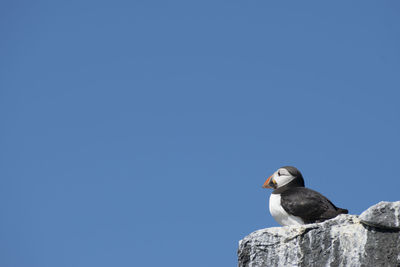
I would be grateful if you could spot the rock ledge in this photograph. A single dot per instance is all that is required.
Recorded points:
(373, 239)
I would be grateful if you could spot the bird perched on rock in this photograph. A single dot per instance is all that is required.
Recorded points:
(292, 204)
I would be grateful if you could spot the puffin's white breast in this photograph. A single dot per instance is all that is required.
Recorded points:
(279, 214)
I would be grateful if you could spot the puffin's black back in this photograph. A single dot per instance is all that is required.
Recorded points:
(309, 205)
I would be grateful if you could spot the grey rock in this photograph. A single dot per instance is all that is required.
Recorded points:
(383, 215)
(341, 241)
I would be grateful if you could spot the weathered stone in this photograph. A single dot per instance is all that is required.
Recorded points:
(342, 241)
(383, 215)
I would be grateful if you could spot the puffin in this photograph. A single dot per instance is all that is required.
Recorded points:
(293, 204)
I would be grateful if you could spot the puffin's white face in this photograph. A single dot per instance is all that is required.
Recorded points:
(280, 178)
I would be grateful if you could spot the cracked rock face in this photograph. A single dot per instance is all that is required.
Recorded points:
(342, 241)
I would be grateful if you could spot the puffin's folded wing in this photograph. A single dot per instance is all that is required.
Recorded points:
(308, 204)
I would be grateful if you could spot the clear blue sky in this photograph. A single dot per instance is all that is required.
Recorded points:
(139, 133)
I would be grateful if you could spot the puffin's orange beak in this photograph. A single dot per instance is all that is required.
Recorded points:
(269, 183)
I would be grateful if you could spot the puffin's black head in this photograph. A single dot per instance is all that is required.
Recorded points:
(284, 176)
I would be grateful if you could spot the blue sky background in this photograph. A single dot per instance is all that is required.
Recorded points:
(139, 133)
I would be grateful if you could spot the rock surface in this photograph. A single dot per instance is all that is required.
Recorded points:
(383, 215)
(343, 241)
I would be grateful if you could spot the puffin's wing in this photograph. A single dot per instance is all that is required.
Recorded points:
(308, 204)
